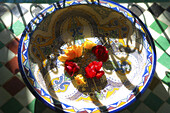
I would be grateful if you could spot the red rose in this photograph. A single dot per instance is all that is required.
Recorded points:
(71, 67)
(101, 53)
(93, 70)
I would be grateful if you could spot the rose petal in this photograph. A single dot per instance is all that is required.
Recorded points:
(99, 74)
(98, 66)
(63, 57)
(89, 72)
(100, 52)
(105, 57)
(69, 70)
(89, 44)
(71, 67)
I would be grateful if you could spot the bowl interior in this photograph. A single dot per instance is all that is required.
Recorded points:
(126, 72)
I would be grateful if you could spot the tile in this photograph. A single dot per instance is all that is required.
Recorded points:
(25, 110)
(159, 51)
(133, 107)
(8, 19)
(36, 106)
(18, 28)
(168, 50)
(1, 111)
(162, 43)
(125, 5)
(142, 108)
(6, 36)
(143, 5)
(145, 95)
(24, 96)
(19, 76)
(158, 26)
(161, 92)
(164, 5)
(26, 6)
(146, 14)
(164, 108)
(5, 96)
(153, 102)
(36, 9)
(168, 100)
(166, 88)
(13, 46)
(14, 85)
(156, 9)
(166, 79)
(6, 56)
(31, 106)
(1, 45)
(154, 83)
(9, 5)
(136, 9)
(12, 65)
(2, 26)
(154, 34)
(160, 74)
(16, 10)
(2, 9)
(166, 33)
(149, 4)
(168, 9)
(124, 111)
(5, 75)
(1, 64)
(39, 106)
(163, 60)
(12, 106)
(48, 110)
(165, 17)
(45, 5)
(27, 18)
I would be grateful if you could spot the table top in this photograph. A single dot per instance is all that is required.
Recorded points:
(15, 97)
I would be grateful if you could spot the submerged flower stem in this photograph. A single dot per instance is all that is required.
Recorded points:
(95, 84)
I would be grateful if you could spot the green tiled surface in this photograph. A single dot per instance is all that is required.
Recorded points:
(40, 107)
(168, 101)
(163, 42)
(2, 27)
(156, 98)
(153, 102)
(166, 80)
(134, 106)
(17, 28)
(1, 45)
(12, 106)
(164, 60)
(1, 64)
(31, 106)
(158, 26)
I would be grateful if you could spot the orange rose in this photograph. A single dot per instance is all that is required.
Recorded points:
(71, 53)
(89, 44)
(80, 79)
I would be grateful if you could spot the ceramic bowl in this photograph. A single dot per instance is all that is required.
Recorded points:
(128, 71)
